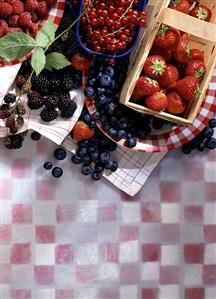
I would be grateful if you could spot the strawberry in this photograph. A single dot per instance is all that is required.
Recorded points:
(170, 76)
(147, 86)
(195, 68)
(79, 62)
(180, 5)
(157, 101)
(201, 12)
(176, 104)
(136, 96)
(182, 51)
(165, 53)
(154, 66)
(81, 131)
(167, 37)
(196, 54)
(188, 87)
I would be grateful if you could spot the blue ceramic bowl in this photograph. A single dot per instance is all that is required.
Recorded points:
(140, 7)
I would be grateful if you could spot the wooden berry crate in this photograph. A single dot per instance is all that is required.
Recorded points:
(202, 35)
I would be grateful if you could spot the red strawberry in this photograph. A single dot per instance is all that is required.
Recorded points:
(167, 37)
(195, 68)
(188, 87)
(136, 96)
(180, 5)
(157, 101)
(81, 131)
(5, 10)
(176, 104)
(147, 86)
(196, 54)
(154, 66)
(165, 53)
(79, 62)
(170, 76)
(182, 51)
(201, 12)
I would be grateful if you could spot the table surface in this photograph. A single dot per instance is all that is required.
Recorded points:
(72, 238)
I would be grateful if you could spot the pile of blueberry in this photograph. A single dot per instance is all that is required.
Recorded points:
(204, 140)
(94, 156)
(106, 78)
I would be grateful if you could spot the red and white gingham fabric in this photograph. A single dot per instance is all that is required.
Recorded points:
(54, 16)
(178, 135)
(75, 239)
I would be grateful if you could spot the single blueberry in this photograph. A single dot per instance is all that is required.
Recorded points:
(94, 156)
(208, 132)
(113, 120)
(82, 151)
(57, 172)
(186, 149)
(104, 157)
(35, 136)
(92, 124)
(112, 132)
(89, 92)
(111, 146)
(121, 134)
(100, 90)
(83, 143)
(109, 71)
(99, 167)
(92, 82)
(86, 118)
(131, 142)
(108, 164)
(86, 169)
(96, 176)
(60, 154)
(212, 123)
(76, 159)
(114, 166)
(201, 146)
(105, 80)
(91, 149)
(96, 115)
(86, 159)
(48, 165)
(211, 143)
(111, 108)
(157, 123)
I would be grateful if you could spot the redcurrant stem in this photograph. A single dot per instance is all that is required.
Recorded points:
(111, 33)
(122, 16)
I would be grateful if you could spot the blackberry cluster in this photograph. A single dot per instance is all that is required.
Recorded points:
(204, 140)
(14, 141)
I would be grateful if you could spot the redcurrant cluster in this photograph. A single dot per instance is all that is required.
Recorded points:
(110, 25)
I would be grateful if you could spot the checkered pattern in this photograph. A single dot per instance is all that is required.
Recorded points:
(54, 16)
(177, 136)
(75, 239)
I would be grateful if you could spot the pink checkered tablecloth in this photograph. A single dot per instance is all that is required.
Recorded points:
(75, 239)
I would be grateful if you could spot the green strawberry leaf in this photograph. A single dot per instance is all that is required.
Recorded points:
(46, 35)
(16, 45)
(56, 61)
(38, 60)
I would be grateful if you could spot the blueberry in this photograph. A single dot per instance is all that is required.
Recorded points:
(82, 151)
(112, 146)
(113, 120)
(98, 167)
(112, 132)
(96, 176)
(103, 118)
(94, 156)
(76, 159)
(48, 165)
(109, 71)
(89, 92)
(212, 123)
(186, 149)
(102, 99)
(91, 149)
(211, 143)
(131, 142)
(92, 124)
(129, 135)
(108, 164)
(86, 118)
(208, 132)
(91, 82)
(107, 126)
(115, 85)
(114, 166)
(195, 142)
(83, 143)
(86, 169)
(57, 172)
(123, 122)
(100, 90)
(105, 80)
(111, 108)
(96, 115)
(86, 159)
(157, 123)
(201, 146)
(121, 134)
(60, 154)
(104, 157)
(35, 136)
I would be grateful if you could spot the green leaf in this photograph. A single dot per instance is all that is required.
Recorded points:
(56, 61)
(38, 60)
(46, 35)
(16, 45)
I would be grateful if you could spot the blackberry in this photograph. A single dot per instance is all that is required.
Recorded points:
(25, 69)
(48, 115)
(69, 111)
(20, 80)
(59, 46)
(40, 83)
(67, 83)
(35, 101)
(54, 83)
(67, 19)
(13, 141)
(9, 98)
(11, 124)
(51, 102)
